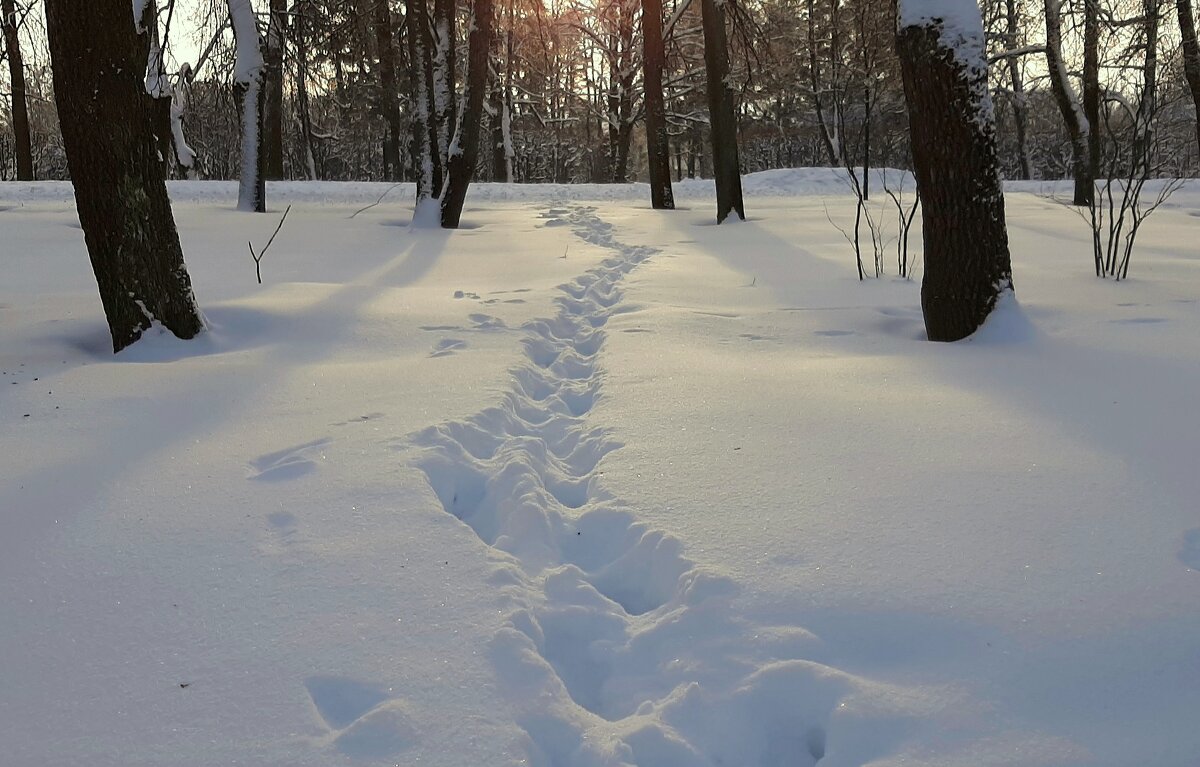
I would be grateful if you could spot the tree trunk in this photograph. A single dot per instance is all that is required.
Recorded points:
(420, 64)
(464, 149)
(1085, 188)
(723, 123)
(952, 130)
(389, 89)
(1191, 56)
(1018, 88)
(248, 87)
(273, 90)
(657, 144)
(1078, 127)
(108, 133)
(445, 87)
(20, 107)
(303, 114)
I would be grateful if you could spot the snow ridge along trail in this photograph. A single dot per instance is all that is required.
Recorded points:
(616, 648)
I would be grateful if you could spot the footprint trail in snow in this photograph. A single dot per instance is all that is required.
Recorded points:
(617, 649)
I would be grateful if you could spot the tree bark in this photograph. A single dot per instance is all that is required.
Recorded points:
(464, 149)
(445, 86)
(1191, 56)
(389, 88)
(107, 124)
(20, 106)
(424, 126)
(952, 130)
(657, 143)
(1085, 187)
(273, 90)
(248, 87)
(722, 121)
(1078, 127)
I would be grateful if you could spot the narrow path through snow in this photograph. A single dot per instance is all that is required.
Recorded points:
(618, 649)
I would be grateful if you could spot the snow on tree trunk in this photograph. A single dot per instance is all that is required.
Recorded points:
(20, 107)
(420, 62)
(952, 127)
(464, 149)
(722, 121)
(657, 145)
(248, 84)
(445, 63)
(107, 124)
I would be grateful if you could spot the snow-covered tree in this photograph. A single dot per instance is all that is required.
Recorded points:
(99, 57)
(248, 79)
(952, 126)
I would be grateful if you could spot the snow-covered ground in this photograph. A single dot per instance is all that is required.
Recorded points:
(584, 484)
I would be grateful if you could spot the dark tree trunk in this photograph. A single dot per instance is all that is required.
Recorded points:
(1191, 56)
(967, 263)
(1078, 127)
(464, 149)
(108, 133)
(722, 121)
(273, 54)
(389, 87)
(1085, 188)
(657, 144)
(20, 107)
(303, 118)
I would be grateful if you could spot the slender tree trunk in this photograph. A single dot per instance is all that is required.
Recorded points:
(1085, 188)
(1078, 127)
(1018, 88)
(445, 88)
(424, 126)
(20, 107)
(273, 53)
(389, 88)
(723, 122)
(303, 114)
(657, 144)
(952, 128)
(464, 149)
(108, 132)
(1191, 56)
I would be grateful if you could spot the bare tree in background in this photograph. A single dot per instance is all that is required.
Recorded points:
(11, 23)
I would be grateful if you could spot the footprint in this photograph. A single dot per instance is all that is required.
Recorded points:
(487, 322)
(1189, 552)
(292, 463)
(447, 346)
(340, 700)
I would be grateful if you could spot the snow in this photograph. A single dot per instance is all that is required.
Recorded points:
(584, 483)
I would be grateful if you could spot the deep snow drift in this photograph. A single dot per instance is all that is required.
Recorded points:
(588, 484)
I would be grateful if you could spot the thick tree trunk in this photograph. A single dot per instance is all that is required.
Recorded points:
(273, 54)
(108, 133)
(20, 106)
(952, 130)
(1078, 127)
(389, 88)
(1191, 56)
(723, 123)
(464, 149)
(658, 146)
